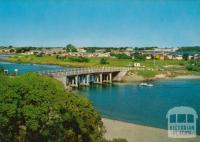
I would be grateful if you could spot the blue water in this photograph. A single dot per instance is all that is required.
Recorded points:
(145, 105)
(130, 102)
(26, 67)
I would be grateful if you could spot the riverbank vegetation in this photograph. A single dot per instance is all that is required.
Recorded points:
(147, 73)
(194, 65)
(37, 108)
(189, 49)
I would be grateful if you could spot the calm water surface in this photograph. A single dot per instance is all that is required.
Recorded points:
(145, 105)
(26, 67)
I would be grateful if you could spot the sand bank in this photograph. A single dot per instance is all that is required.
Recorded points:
(139, 133)
(188, 77)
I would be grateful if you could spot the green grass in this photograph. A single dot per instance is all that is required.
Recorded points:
(67, 62)
(161, 63)
(147, 73)
(92, 61)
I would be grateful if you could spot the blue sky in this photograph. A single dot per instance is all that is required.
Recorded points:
(100, 22)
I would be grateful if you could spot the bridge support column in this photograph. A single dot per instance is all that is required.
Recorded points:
(76, 81)
(88, 80)
(97, 79)
(73, 82)
(100, 78)
(110, 77)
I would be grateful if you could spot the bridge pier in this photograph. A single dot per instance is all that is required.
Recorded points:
(76, 81)
(87, 80)
(110, 77)
(99, 78)
(73, 81)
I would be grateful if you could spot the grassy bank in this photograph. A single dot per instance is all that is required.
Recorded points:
(53, 60)
(93, 61)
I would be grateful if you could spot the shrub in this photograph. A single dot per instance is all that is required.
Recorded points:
(104, 61)
(35, 108)
(121, 56)
(78, 59)
(138, 56)
(193, 65)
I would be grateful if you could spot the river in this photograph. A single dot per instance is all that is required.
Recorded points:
(130, 102)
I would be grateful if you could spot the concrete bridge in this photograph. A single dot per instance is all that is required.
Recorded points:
(85, 76)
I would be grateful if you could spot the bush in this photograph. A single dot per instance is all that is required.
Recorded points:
(104, 61)
(1, 69)
(78, 59)
(36, 108)
(193, 65)
(70, 48)
(121, 56)
(138, 56)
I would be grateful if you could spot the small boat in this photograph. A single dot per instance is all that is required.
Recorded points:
(146, 84)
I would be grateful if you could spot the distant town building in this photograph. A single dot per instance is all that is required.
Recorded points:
(136, 64)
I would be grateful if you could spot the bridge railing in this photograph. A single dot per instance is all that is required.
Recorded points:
(77, 71)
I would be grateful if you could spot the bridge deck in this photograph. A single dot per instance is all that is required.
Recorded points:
(83, 71)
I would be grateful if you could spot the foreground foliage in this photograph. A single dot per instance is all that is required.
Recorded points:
(34, 108)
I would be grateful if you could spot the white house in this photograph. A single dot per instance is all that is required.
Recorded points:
(179, 57)
(136, 64)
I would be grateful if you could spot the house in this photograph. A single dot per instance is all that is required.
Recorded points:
(169, 56)
(196, 56)
(136, 64)
(28, 53)
(148, 57)
(103, 54)
(190, 57)
(81, 50)
(178, 57)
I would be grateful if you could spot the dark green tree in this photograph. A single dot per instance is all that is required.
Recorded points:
(194, 65)
(35, 108)
(1, 69)
(104, 61)
(138, 56)
(185, 56)
(70, 48)
(79, 59)
(12, 50)
(90, 49)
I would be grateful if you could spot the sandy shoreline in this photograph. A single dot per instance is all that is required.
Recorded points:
(187, 77)
(136, 78)
(138, 133)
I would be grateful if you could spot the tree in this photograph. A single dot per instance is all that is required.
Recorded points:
(185, 56)
(194, 65)
(12, 50)
(1, 69)
(138, 56)
(70, 48)
(90, 49)
(36, 108)
(121, 56)
(189, 49)
(104, 61)
(79, 59)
